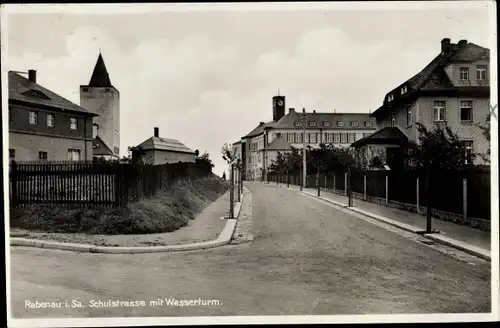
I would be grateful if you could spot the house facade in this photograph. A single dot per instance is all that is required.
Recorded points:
(101, 97)
(340, 129)
(453, 90)
(44, 125)
(157, 151)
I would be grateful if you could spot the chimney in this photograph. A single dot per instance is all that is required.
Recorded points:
(314, 111)
(291, 110)
(261, 123)
(462, 43)
(445, 44)
(157, 132)
(32, 75)
(95, 130)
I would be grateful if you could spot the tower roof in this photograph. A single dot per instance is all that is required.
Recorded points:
(100, 76)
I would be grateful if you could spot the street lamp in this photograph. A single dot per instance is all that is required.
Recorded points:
(304, 168)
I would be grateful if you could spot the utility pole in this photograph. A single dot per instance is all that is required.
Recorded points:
(304, 164)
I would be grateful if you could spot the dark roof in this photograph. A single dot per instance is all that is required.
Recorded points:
(259, 129)
(389, 135)
(100, 76)
(157, 143)
(326, 120)
(100, 148)
(433, 76)
(24, 90)
(279, 143)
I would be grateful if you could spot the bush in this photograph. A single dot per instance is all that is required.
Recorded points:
(169, 210)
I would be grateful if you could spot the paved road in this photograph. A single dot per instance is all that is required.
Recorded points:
(306, 258)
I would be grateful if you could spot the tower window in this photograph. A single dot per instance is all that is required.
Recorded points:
(73, 124)
(85, 89)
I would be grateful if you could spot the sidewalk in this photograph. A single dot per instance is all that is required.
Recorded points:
(449, 233)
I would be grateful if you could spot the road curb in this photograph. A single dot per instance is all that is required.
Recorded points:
(224, 238)
(472, 250)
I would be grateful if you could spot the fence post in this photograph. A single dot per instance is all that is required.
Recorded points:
(364, 185)
(349, 186)
(300, 182)
(334, 187)
(464, 196)
(231, 196)
(325, 181)
(13, 179)
(386, 189)
(239, 183)
(418, 195)
(317, 182)
(345, 183)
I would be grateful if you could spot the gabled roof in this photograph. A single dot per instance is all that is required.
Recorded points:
(100, 76)
(433, 76)
(326, 120)
(389, 135)
(279, 143)
(157, 143)
(24, 90)
(100, 148)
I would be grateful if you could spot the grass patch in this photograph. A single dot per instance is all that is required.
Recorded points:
(168, 211)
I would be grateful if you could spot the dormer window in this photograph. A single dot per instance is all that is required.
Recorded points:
(404, 90)
(464, 73)
(326, 124)
(368, 124)
(340, 123)
(481, 72)
(390, 97)
(354, 123)
(312, 123)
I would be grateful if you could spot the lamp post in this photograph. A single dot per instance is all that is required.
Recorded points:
(304, 164)
(238, 169)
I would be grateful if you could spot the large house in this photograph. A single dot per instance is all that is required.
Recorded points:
(157, 150)
(101, 97)
(452, 90)
(44, 125)
(260, 147)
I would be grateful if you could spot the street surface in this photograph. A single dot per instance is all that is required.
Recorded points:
(306, 258)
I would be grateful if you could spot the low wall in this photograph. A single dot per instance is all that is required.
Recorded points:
(477, 223)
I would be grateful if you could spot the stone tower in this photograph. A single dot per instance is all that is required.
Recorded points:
(278, 107)
(102, 98)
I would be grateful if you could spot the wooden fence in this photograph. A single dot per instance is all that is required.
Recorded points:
(92, 184)
(464, 193)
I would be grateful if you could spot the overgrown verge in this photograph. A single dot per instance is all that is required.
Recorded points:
(169, 210)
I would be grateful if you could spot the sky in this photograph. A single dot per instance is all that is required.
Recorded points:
(207, 77)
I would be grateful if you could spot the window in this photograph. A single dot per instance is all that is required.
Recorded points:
(440, 110)
(393, 120)
(74, 154)
(85, 89)
(50, 120)
(73, 123)
(466, 110)
(42, 155)
(464, 73)
(33, 117)
(481, 72)
(340, 123)
(343, 137)
(408, 116)
(326, 124)
(468, 144)
(107, 90)
(354, 123)
(336, 137)
(312, 123)
(368, 124)
(404, 90)
(351, 137)
(314, 137)
(258, 158)
(12, 153)
(298, 123)
(390, 97)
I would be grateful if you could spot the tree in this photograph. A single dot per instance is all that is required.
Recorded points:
(205, 160)
(487, 135)
(228, 154)
(439, 149)
(196, 153)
